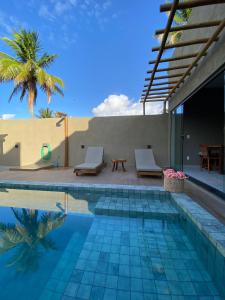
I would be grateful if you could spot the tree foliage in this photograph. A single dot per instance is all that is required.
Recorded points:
(27, 68)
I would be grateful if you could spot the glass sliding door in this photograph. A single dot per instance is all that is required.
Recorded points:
(223, 181)
(176, 138)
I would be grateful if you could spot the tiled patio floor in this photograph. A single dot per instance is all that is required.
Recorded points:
(66, 175)
(212, 178)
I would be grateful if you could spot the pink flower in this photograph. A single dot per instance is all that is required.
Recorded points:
(171, 173)
(168, 171)
(181, 174)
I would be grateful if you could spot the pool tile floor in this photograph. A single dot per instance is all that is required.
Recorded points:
(125, 258)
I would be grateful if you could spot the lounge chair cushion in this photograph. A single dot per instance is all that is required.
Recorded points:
(145, 160)
(87, 166)
(94, 155)
(148, 168)
(93, 159)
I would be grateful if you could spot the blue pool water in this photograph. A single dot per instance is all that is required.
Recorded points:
(27, 259)
(98, 245)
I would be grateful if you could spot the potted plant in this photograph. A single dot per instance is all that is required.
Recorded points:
(174, 180)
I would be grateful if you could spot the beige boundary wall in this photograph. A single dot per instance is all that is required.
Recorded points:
(21, 140)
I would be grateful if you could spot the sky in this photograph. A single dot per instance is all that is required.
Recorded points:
(103, 49)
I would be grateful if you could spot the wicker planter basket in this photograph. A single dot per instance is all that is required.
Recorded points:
(174, 185)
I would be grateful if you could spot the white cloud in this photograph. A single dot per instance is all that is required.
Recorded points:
(75, 14)
(9, 23)
(7, 116)
(58, 8)
(61, 7)
(121, 105)
(45, 13)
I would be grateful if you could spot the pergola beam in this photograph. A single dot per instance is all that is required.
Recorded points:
(190, 26)
(171, 88)
(157, 94)
(175, 58)
(162, 83)
(161, 89)
(190, 4)
(156, 97)
(183, 44)
(170, 69)
(200, 55)
(163, 43)
(153, 100)
(166, 76)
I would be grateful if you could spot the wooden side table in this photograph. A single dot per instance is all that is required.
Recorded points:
(116, 162)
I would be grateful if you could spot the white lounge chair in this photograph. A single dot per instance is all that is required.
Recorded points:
(145, 163)
(93, 162)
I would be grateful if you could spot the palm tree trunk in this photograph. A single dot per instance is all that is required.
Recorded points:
(32, 95)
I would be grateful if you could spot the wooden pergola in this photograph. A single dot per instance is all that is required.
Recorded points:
(169, 87)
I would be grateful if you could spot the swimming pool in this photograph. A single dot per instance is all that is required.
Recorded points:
(107, 243)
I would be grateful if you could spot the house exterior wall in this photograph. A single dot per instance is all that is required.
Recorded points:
(214, 60)
(118, 135)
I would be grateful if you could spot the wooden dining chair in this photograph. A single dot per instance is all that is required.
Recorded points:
(215, 154)
(204, 158)
(210, 156)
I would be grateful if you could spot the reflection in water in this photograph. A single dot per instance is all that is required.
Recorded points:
(28, 238)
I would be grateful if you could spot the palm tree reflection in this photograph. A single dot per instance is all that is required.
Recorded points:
(29, 237)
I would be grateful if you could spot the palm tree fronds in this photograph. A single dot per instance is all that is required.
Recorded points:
(29, 237)
(46, 60)
(24, 74)
(16, 89)
(9, 69)
(4, 55)
(181, 17)
(28, 44)
(45, 113)
(48, 244)
(15, 258)
(48, 92)
(58, 90)
(27, 68)
(24, 91)
(57, 80)
(12, 45)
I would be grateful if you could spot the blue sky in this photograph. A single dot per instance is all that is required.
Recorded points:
(103, 49)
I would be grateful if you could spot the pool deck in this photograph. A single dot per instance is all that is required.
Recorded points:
(66, 175)
(213, 204)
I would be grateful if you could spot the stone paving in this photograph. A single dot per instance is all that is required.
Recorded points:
(66, 175)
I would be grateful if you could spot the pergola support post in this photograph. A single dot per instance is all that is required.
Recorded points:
(144, 108)
(164, 107)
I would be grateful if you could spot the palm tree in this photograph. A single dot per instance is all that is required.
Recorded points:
(27, 68)
(59, 114)
(45, 113)
(181, 18)
(28, 237)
